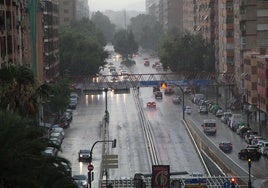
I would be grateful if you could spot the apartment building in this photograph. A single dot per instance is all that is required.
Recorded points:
(14, 33)
(51, 39)
(67, 11)
(189, 15)
(82, 9)
(206, 19)
(255, 86)
(226, 37)
(250, 31)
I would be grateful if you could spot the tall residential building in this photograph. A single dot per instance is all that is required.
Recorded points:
(250, 31)
(172, 14)
(82, 9)
(67, 11)
(51, 39)
(189, 16)
(206, 19)
(226, 36)
(14, 33)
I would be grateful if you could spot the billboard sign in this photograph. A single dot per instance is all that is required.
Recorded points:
(160, 176)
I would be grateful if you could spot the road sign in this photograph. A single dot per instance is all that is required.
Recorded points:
(226, 184)
(90, 167)
(110, 161)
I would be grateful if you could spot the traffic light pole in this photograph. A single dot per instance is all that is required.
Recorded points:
(183, 105)
(249, 178)
(91, 153)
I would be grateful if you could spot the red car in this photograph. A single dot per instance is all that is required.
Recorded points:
(151, 105)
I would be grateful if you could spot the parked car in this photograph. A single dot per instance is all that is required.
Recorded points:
(226, 116)
(68, 116)
(219, 113)
(50, 152)
(249, 153)
(84, 155)
(226, 146)
(264, 148)
(57, 130)
(197, 96)
(151, 105)
(187, 90)
(203, 110)
(81, 180)
(236, 118)
(57, 135)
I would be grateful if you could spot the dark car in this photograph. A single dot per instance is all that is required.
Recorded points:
(226, 147)
(155, 89)
(81, 180)
(84, 155)
(158, 95)
(249, 153)
(169, 91)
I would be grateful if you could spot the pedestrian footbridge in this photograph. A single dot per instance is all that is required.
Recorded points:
(120, 82)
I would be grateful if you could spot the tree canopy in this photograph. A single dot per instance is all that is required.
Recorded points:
(188, 52)
(147, 31)
(81, 49)
(124, 43)
(22, 161)
(103, 23)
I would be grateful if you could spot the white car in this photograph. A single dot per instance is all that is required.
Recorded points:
(188, 109)
(264, 148)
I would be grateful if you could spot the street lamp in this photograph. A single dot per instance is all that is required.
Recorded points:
(90, 167)
(249, 178)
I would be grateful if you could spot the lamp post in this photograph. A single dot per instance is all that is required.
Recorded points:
(91, 153)
(249, 178)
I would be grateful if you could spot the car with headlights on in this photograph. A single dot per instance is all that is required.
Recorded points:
(84, 155)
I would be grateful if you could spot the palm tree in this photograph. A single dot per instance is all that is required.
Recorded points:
(21, 159)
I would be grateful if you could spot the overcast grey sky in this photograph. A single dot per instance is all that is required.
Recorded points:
(116, 5)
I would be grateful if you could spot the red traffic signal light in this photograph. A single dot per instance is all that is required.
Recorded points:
(233, 182)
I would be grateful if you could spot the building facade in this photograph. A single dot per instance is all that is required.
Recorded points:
(14, 33)
(67, 11)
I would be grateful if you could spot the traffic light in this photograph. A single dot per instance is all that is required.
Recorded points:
(163, 85)
(249, 162)
(232, 183)
(114, 143)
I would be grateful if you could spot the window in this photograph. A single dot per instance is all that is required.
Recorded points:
(262, 27)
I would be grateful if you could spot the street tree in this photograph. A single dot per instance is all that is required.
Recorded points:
(22, 161)
(187, 52)
(18, 90)
(104, 24)
(147, 31)
(124, 43)
(81, 49)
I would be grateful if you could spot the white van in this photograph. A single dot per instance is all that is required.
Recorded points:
(209, 126)
(236, 118)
